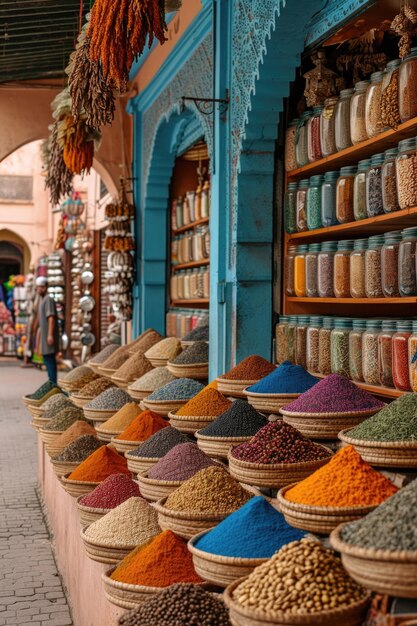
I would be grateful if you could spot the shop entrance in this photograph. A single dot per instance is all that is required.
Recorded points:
(11, 260)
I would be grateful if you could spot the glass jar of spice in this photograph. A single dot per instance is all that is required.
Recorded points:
(342, 120)
(314, 202)
(389, 264)
(389, 181)
(406, 170)
(407, 278)
(289, 158)
(290, 208)
(328, 198)
(292, 323)
(301, 340)
(357, 269)
(339, 346)
(325, 363)
(373, 120)
(359, 190)
(370, 352)
(344, 194)
(300, 271)
(313, 348)
(373, 270)
(412, 355)
(385, 353)
(327, 127)
(357, 112)
(400, 357)
(289, 271)
(355, 349)
(301, 134)
(341, 270)
(311, 270)
(407, 86)
(325, 262)
(313, 135)
(301, 216)
(281, 351)
(374, 186)
(390, 106)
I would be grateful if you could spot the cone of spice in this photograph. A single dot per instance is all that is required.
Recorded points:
(79, 449)
(88, 377)
(122, 419)
(197, 353)
(77, 373)
(54, 402)
(43, 390)
(345, 481)
(163, 562)
(136, 366)
(65, 418)
(180, 463)
(209, 402)
(199, 333)
(165, 350)
(396, 422)
(160, 443)
(99, 465)
(76, 430)
(116, 359)
(104, 354)
(145, 341)
(153, 380)
(95, 387)
(144, 425)
(113, 491)
(178, 389)
(62, 403)
(211, 491)
(285, 379)
(253, 368)
(241, 420)
(112, 398)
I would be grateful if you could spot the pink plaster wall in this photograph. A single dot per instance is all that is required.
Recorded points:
(81, 575)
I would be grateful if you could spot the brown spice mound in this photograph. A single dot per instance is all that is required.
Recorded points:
(72, 433)
(254, 367)
(93, 389)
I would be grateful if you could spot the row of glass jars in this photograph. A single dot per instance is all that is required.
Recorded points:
(179, 322)
(191, 207)
(190, 284)
(368, 109)
(377, 352)
(191, 246)
(377, 267)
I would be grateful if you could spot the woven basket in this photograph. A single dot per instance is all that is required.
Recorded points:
(352, 615)
(396, 454)
(54, 450)
(107, 372)
(275, 475)
(138, 395)
(218, 570)
(36, 411)
(88, 514)
(39, 422)
(48, 436)
(189, 424)
(323, 416)
(218, 447)
(94, 366)
(61, 468)
(157, 362)
(233, 388)
(96, 415)
(120, 382)
(390, 573)
(198, 371)
(155, 490)
(319, 428)
(139, 464)
(163, 407)
(269, 402)
(77, 488)
(80, 401)
(106, 435)
(123, 446)
(318, 519)
(184, 523)
(103, 553)
(123, 595)
(29, 402)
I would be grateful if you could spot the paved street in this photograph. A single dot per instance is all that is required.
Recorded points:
(31, 592)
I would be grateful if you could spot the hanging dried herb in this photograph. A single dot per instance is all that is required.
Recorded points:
(59, 178)
(404, 25)
(78, 151)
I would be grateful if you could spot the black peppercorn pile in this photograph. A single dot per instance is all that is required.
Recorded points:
(279, 442)
(179, 605)
(79, 449)
(241, 420)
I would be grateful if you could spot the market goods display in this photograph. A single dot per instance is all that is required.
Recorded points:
(74, 454)
(62, 402)
(276, 456)
(173, 395)
(76, 430)
(247, 372)
(132, 523)
(199, 333)
(193, 361)
(103, 355)
(160, 443)
(241, 542)
(311, 587)
(82, 381)
(144, 425)
(74, 374)
(153, 380)
(200, 410)
(114, 361)
(112, 492)
(388, 438)
(380, 550)
(118, 422)
(346, 488)
(106, 404)
(58, 424)
(181, 603)
(95, 388)
(145, 341)
(99, 465)
(134, 367)
(163, 351)
(42, 394)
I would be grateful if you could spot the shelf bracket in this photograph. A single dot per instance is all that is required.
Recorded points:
(207, 106)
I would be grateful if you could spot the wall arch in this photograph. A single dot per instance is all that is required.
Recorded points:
(17, 241)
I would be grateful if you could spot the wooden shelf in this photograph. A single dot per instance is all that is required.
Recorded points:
(197, 302)
(399, 301)
(363, 150)
(369, 226)
(191, 264)
(190, 226)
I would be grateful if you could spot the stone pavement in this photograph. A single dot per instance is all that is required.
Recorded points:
(31, 592)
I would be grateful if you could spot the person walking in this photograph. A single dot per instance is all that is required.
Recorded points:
(48, 325)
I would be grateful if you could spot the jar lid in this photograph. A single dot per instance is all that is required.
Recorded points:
(346, 92)
(345, 244)
(358, 324)
(304, 183)
(302, 320)
(292, 319)
(360, 244)
(328, 322)
(404, 325)
(283, 319)
(314, 247)
(377, 159)
(329, 246)
(375, 242)
(305, 116)
(331, 176)
(407, 144)
(363, 165)
(316, 180)
(393, 236)
(414, 328)
(348, 170)
(373, 324)
(292, 249)
(361, 85)
(409, 232)
(389, 326)
(392, 65)
(390, 153)
(316, 319)
(342, 322)
(376, 77)
(301, 249)
(292, 185)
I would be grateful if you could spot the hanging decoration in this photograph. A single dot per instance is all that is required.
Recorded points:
(78, 146)
(404, 24)
(118, 233)
(58, 177)
(321, 82)
(362, 57)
